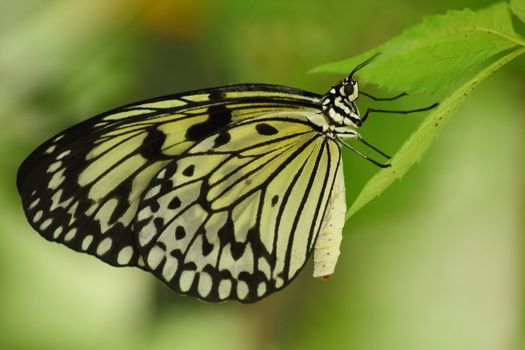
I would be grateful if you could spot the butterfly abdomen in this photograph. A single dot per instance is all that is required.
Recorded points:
(326, 249)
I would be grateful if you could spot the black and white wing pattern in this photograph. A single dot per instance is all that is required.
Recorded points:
(237, 215)
(82, 188)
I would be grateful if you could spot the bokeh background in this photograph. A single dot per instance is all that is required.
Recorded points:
(435, 263)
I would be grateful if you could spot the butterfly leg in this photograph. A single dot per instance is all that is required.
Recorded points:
(371, 110)
(364, 142)
(383, 98)
(364, 156)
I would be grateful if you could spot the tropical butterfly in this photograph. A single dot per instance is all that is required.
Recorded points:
(221, 193)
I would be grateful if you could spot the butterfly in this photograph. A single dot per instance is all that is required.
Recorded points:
(221, 193)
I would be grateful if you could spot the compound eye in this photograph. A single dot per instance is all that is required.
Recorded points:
(349, 89)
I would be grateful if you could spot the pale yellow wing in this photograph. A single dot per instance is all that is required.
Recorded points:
(237, 215)
(82, 187)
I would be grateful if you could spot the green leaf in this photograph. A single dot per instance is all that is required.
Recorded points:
(437, 53)
(518, 7)
(418, 143)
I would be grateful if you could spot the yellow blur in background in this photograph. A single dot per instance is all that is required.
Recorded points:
(436, 263)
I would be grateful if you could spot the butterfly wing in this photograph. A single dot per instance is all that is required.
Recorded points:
(236, 216)
(82, 187)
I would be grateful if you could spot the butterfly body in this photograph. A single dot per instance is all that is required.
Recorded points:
(221, 193)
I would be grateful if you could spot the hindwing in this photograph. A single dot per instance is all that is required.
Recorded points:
(237, 215)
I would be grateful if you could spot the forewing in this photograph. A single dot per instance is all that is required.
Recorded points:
(236, 216)
(82, 187)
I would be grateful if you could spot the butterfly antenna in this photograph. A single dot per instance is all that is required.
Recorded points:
(364, 64)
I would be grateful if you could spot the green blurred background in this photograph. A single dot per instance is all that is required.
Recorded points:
(435, 263)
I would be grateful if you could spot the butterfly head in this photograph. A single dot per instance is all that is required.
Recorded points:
(349, 89)
(339, 104)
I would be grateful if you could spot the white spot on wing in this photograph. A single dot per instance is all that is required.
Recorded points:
(38, 216)
(63, 154)
(56, 179)
(70, 234)
(225, 287)
(54, 167)
(46, 223)
(186, 279)
(261, 289)
(242, 289)
(155, 256)
(153, 192)
(169, 268)
(104, 246)
(57, 232)
(51, 149)
(34, 203)
(86, 242)
(125, 255)
(205, 284)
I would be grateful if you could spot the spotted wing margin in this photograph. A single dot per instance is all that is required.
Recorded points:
(236, 216)
(81, 188)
